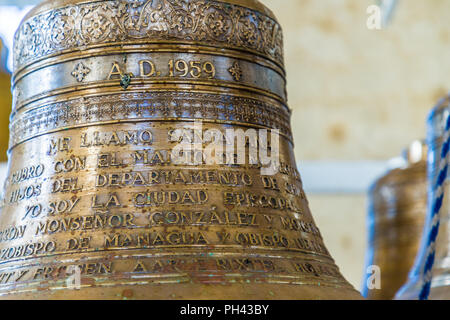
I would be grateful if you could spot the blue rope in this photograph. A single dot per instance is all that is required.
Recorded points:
(439, 193)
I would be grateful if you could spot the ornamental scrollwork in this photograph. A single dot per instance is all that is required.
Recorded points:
(115, 21)
(150, 106)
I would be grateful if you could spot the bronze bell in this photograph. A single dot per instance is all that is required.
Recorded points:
(397, 210)
(97, 204)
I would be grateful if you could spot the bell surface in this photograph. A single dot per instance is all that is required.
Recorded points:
(111, 192)
(397, 211)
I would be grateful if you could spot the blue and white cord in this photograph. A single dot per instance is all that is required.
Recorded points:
(439, 193)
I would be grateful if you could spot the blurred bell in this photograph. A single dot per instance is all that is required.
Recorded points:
(397, 210)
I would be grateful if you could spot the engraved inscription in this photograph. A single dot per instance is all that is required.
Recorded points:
(27, 173)
(71, 164)
(12, 233)
(24, 193)
(175, 69)
(66, 185)
(27, 250)
(155, 239)
(62, 206)
(195, 69)
(248, 199)
(83, 223)
(173, 177)
(114, 189)
(212, 217)
(116, 138)
(59, 145)
(161, 198)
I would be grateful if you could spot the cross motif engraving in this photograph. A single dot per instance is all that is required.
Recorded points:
(236, 71)
(80, 72)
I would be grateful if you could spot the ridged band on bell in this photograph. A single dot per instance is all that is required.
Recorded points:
(397, 210)
(100, 89)
(428, 279)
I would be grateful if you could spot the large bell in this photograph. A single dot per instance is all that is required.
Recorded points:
(103, 198)
(430, 276)
(397, 210)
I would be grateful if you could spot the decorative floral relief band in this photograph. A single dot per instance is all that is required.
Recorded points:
(103, 23)
(149, 106)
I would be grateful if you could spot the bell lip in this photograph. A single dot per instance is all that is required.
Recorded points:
(47, 5)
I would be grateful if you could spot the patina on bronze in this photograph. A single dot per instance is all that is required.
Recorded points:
(397, 211)
(99, 88)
